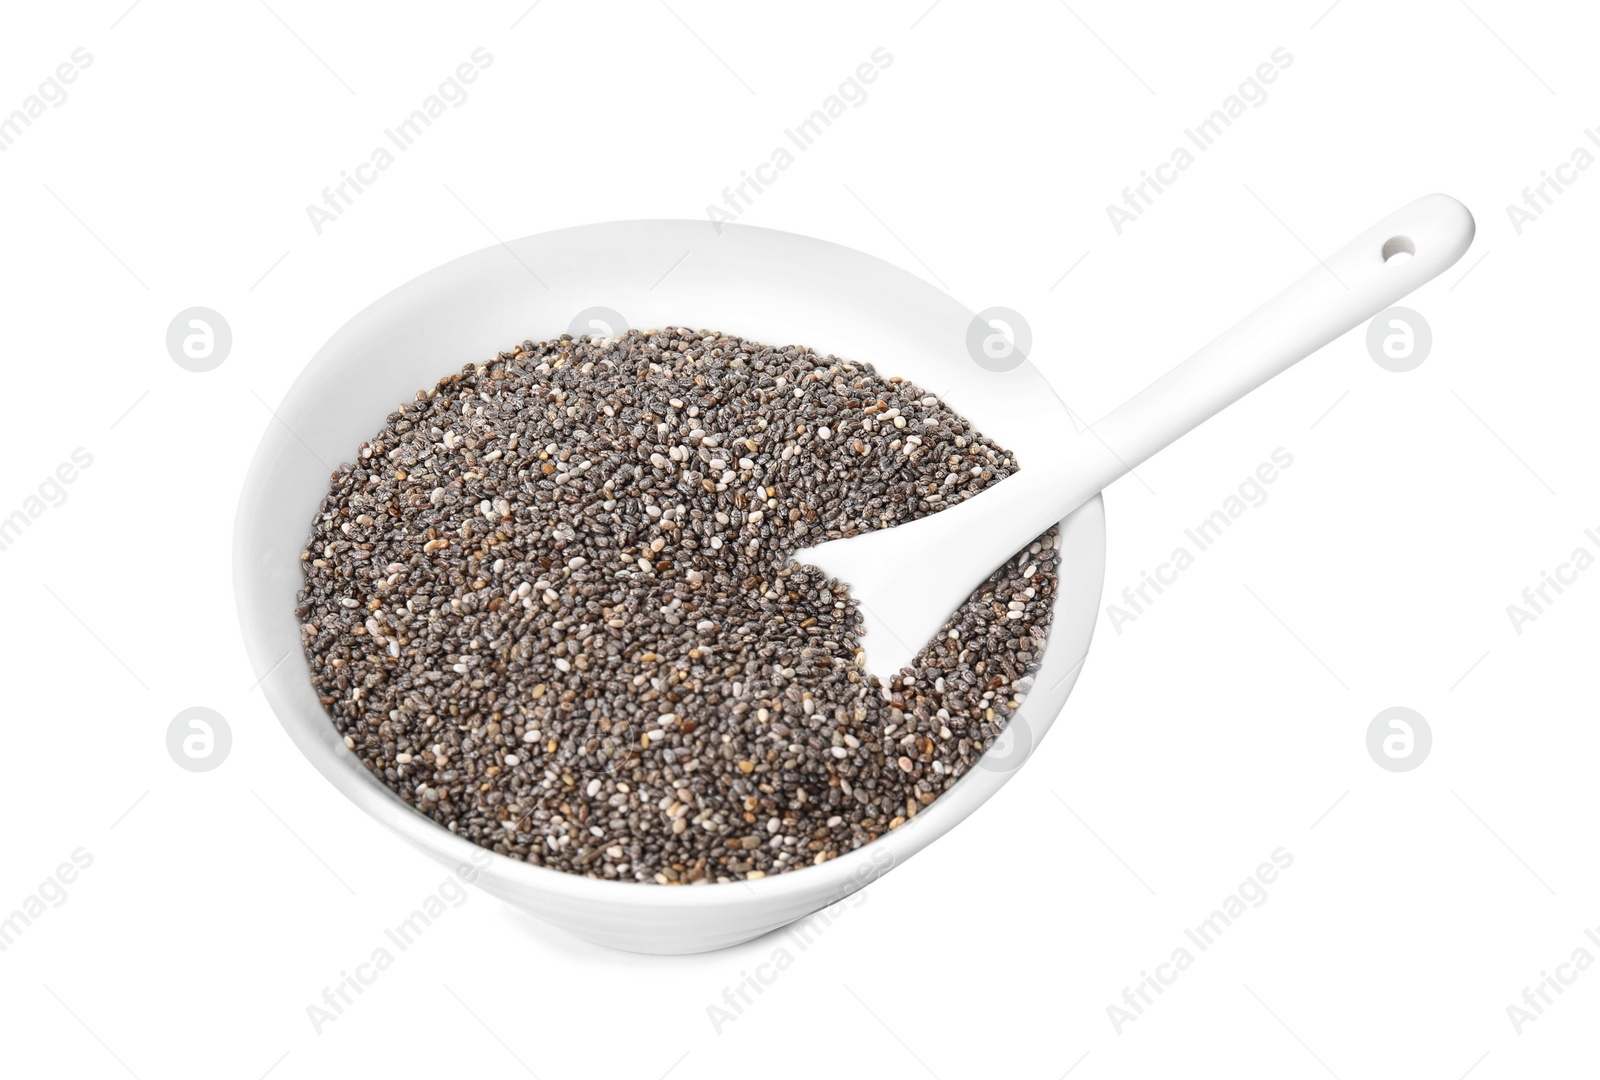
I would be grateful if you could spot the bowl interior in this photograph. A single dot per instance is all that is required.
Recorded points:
(773, 287)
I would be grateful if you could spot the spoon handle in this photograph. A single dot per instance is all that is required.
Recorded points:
(1400, 253)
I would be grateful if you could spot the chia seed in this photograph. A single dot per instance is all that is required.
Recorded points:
(552, 606)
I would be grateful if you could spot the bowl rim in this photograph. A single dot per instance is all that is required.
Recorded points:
(280, 675)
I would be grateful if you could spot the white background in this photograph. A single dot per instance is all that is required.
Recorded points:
(1228, 720)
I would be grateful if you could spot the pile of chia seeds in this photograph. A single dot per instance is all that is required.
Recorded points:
(552, 606)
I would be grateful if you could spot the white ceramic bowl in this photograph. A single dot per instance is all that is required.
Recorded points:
(768, 286)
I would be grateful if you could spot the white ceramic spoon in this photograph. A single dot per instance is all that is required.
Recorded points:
(910, 578)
